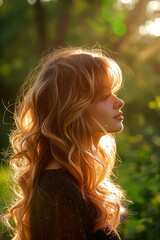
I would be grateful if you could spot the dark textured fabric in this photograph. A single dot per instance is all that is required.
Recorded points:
(59, 212)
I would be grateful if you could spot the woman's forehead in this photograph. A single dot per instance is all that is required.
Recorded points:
(106, 85)
(103, 89)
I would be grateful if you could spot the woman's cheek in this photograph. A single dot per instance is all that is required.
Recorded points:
(103, 111)
(103, 115)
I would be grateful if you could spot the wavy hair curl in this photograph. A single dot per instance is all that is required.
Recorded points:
(52, 121)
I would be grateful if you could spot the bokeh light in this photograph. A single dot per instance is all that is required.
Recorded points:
(153, 6)
(151, 28)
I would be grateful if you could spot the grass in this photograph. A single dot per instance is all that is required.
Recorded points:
(5, 197)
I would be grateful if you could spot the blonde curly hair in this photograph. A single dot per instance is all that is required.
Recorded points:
(52, 121)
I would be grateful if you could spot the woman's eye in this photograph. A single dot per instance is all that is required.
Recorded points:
(107, 96)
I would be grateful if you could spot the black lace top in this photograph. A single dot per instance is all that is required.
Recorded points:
(59, 212)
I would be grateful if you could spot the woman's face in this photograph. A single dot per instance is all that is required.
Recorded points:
(105, 112)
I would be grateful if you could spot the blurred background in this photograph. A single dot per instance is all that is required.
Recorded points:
(130, 31)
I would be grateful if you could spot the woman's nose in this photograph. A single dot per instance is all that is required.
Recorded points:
(119, 103)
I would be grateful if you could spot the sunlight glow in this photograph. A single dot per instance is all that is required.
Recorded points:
(1, 3)
(32, 2)
(105, 143)
(153, 6)
(126, 1)
(27, 122)
(151, 28)
(45, 0)
(129, 4)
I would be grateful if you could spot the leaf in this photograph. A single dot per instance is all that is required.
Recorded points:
(119, 28)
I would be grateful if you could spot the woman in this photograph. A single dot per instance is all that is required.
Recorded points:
(62, 166)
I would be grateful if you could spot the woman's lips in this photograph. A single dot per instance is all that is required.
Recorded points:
(120, 117)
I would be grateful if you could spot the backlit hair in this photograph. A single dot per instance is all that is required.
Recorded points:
(52, 121)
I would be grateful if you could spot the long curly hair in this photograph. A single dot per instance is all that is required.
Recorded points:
(53, 116)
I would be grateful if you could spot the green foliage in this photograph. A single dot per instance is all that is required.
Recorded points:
(114, 16)
(155, 104)
(139, 176)
(5, 198)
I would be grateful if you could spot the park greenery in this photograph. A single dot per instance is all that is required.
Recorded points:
(129, 31)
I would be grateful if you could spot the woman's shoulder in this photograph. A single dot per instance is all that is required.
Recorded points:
(58, 181)
(57, 187)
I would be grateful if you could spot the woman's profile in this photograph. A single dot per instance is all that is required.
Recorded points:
(61, 166)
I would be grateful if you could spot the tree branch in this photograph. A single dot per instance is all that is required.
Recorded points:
(135, 14)
(147, 53)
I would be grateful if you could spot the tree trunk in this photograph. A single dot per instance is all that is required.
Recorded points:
(62, 27)
(41, 24)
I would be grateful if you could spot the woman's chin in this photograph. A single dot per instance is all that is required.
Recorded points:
(117, 129)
